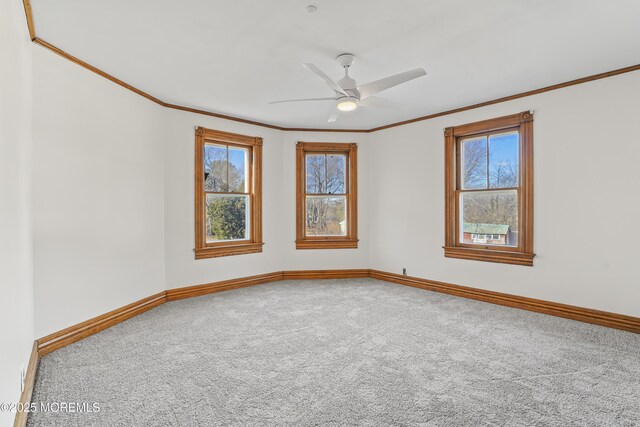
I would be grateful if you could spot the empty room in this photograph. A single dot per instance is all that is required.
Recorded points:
(319, 213)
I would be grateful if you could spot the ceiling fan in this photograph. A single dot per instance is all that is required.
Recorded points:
(349, 95)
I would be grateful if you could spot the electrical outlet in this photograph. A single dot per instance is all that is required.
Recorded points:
(404, 271)
(22, 375)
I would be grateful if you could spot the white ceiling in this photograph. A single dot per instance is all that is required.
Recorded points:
(233, 56)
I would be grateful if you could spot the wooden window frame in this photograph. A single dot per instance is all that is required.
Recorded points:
(236, 247)
(350, 241)
(523, 253)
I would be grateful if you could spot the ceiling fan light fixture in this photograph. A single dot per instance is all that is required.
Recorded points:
(348, 104)
(348, 93)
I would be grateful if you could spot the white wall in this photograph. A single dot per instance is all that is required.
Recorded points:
(98, 194)
(586, 199)
(16, 285)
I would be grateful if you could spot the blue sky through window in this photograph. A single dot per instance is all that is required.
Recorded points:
(503, 160)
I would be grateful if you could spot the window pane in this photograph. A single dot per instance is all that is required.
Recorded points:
(316, 173)
(336, 169)
(474, 163)
(238, 169)
(326, 216)
(215, 167)
(227, 217)
(489, 218)
(503, 160)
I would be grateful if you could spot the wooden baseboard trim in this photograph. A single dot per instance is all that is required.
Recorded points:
(597, 317)
(82, 330)
(29, 381)
(325, 274)
(92, 326)
(225, 285)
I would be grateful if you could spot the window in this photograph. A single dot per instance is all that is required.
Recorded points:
(489, 190)
(228, 190)
(326, 196)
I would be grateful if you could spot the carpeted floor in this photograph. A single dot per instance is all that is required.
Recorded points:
(344, 352)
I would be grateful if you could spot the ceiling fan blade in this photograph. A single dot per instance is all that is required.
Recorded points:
(368, 89)
(328, 80)
(374, 101)
(334, 115)
(306, 99)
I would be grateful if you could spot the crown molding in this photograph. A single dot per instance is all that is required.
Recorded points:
(29, 15)
(516, 96)
(58, 51)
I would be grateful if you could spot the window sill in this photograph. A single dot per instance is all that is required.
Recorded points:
(228, 250)
(327, 244)
(488, 255)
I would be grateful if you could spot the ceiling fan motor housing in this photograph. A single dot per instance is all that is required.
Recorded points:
(349, 85)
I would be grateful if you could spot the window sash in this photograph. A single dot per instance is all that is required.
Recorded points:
(248, 175)
(248, 185)
(342, 234)
(251, 148)
(345, 194)
(459, 154)
(326, 154)
(459, 186)
(247, 215)
(334, 241)
(460, 220)
(522, 251)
